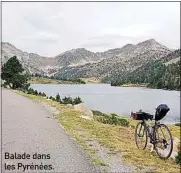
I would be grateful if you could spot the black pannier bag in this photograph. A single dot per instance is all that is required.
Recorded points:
(142, 116)
(161, 111)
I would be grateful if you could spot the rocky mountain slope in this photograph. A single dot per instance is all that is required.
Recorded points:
(77, 57)
(80, 62)
(115, 61)
(35, 63)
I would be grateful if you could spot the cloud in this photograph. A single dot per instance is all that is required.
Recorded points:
(42, 37)
(117, 37)
(134, 30)
(49, 28)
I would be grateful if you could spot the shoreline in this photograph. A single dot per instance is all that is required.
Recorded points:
(119, 114)
(132, 122)
(41, 80)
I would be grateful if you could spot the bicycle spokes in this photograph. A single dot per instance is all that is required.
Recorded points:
(141, 136)
(163, 142)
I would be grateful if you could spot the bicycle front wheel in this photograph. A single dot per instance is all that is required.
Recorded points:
(163, 141)
(141, 135)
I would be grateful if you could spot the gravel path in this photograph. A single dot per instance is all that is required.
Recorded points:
(28, 127)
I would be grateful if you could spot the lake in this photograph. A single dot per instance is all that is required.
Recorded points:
(119, 100)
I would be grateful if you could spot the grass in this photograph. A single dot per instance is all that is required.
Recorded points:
(91, 80)
(175, 131)
(134, 85)
(42, 80)
(117, 139)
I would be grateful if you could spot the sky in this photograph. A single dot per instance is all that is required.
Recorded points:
(50, 28)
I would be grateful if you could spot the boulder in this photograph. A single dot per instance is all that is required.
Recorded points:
(84, 110)
(176, 143)
(86, 117)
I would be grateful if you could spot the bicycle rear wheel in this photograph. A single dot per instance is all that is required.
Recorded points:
(141, 136)
(163, 141)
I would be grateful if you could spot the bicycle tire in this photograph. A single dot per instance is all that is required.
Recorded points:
(158, 141)
(144, 133)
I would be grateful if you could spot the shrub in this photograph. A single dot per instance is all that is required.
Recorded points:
(77, 100)
(67, 100)
(110, 119)
(35, 92)
(52, 98)
(98, 113)
(43, 94)
(58, 98)
(30, 91)
(178, 158)
(26, 87)
(123, 122)
(114, 119)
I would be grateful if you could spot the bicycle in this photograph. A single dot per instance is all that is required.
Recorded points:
(161, 144)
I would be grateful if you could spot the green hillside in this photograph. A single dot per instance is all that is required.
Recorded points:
(163, 73)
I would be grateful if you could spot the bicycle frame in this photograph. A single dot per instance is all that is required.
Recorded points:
(151, 133)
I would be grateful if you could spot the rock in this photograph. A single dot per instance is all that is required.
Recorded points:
(151, 147)
(69, 105)
(174, 154)
(84, 109)
(176, 143)
(86, 117)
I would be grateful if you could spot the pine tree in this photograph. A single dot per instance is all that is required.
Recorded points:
(12, 73)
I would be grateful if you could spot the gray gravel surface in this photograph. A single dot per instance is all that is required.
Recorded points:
(28, 127)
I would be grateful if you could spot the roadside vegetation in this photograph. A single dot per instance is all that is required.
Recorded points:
(113, 119)
(65, 100)
(118, 138)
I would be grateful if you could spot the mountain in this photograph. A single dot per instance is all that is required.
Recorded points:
(76, 57)
(77, 63)
(116, 61)
(161, 73)
(35, 63)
